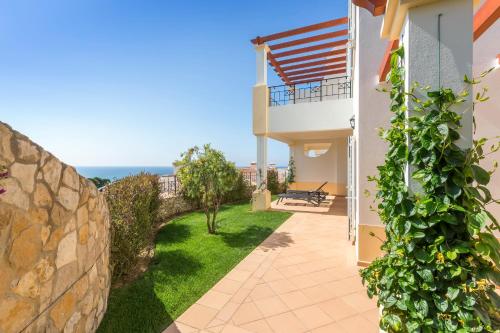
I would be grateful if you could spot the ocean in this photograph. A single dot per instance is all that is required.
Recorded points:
(121, 171)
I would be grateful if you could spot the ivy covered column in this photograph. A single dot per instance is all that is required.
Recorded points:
(437, 41)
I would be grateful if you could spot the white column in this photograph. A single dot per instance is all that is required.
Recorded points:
(261, 161)
(438, 53)
(261, 62)
(261, 67)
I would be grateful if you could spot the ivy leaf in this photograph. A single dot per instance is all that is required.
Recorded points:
(422, 308)
(390, 301)
(453, 190)
(426, 275)
(451, 325)
(412, 326)
(452, 255)
(455, 271)
(477, 221)
(394, 321)
(441, 303)
(418, 234)
(480, 175)
(482, 249)
(452, 293)
(443, 129)
(423, 256)
(469, 301)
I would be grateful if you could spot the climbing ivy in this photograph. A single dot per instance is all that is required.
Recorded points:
(440, 266)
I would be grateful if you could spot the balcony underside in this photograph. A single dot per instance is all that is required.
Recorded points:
(314, 136)
(310, 121)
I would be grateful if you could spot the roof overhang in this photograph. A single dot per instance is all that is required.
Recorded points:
(376, 7)
(395, 15)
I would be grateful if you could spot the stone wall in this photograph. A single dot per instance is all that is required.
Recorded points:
(174, 205)
(54, 243)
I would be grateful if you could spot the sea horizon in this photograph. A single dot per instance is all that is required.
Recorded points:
(117, 172)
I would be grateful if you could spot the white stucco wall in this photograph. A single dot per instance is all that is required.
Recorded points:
(371, 109)
(487, 114)
(331, 166)
(314, 116)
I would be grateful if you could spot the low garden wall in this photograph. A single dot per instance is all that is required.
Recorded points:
(174, 205)
(54, 243)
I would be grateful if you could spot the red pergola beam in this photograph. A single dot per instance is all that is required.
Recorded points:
(316, 69)
(321, 74)
(313, 63)
(312, 56)
(298, 31)
(386, 60)
(311, 39)
(311, 48)
(485, 17)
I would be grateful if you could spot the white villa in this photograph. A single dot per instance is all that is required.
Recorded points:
(328, 109)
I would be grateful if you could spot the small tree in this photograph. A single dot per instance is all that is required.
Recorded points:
(206, 176)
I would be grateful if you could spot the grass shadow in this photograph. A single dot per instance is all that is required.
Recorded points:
(252, 236)
(173, 233)
(173, 263)
(137, 307)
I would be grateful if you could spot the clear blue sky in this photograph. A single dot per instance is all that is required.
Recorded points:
(122, 82)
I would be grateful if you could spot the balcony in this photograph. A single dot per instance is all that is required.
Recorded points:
(317, 91)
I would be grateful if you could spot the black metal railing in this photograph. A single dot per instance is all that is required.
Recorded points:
(170, 185)
(317, 91)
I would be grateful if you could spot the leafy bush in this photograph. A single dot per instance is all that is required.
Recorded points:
(133, 205)
(441, 258)
(242, 190)
(206, 177)
(273, 184)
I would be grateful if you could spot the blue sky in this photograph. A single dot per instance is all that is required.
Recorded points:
(122, 82)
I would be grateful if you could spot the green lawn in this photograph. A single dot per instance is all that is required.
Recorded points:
(187, 263)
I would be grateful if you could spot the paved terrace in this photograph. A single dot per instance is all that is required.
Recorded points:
(302, 278)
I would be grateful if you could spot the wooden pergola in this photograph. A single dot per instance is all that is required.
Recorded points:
(296, 63)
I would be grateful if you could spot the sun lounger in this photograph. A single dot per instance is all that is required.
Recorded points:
(314, 196)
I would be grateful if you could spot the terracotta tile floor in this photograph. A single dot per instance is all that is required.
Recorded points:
(302, 278)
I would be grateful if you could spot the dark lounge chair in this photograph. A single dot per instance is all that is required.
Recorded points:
(315, 196)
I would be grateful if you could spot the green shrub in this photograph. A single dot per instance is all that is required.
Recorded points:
(242, 191)
(133, 205)
(440, 266)
(273, 184)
